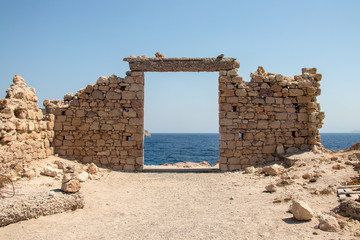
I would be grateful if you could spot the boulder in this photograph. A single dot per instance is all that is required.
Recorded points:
(328, 223)
(301, 211)
(71, 186)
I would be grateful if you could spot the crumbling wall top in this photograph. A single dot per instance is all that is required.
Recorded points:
(145, 64)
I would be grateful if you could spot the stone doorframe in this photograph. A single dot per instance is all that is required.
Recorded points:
(258, 120)
(223, 65)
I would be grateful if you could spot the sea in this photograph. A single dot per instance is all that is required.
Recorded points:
(171, 148)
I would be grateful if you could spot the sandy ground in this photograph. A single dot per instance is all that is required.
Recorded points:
(180, 205)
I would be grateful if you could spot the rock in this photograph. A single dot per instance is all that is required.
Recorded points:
(71, 186)
(159, 55)
(82, 177)
(66, 178)
(232, 198)
(147, 133)
(307, 176)
(338, 166)
(69, 168)
(272, 170)
(249, 169)
(60, 164)
(301, 211)
(271, 188)
(69, 97)
(92, 169)
(49, 171)
(328, 223)
(350, 208)
(29, 173)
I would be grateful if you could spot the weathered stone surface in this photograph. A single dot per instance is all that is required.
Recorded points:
(301, 211)
(26, 207)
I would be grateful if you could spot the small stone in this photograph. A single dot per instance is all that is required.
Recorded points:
(232, 198)
(82, 177)
(92, 169)
(329, 223)
(301, 211)
(49, 171)
(271, 188)
(69, 97)
(249, 169)
(51, 193)
(159, 55)
(71, 186)
(272, 170)
(66, 178)
(307, 176)
(338, 166)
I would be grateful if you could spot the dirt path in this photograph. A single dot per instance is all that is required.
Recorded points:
(186, 206)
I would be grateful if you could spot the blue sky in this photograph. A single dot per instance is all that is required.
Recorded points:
(61, 46)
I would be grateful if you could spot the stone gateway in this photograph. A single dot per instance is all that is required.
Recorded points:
(103, 123)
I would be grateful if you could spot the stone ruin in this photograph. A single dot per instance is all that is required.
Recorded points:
(26, 134)
(103, 123)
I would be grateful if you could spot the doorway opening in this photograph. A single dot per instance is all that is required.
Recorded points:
(182, 116)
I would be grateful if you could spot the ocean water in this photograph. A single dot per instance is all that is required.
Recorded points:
(171, 148)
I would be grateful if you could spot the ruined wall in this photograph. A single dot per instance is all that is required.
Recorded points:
(103, 123)
(269, 115)
(25, 133)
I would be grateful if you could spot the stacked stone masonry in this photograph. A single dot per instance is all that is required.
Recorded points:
(270, 115)
(104, 123)
(25, 133)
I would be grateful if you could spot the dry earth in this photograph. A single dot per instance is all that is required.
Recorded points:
(178, 205)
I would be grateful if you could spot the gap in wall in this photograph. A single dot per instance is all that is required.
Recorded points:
(182, 114)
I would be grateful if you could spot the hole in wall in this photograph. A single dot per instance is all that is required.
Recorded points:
(293, 134)
(63, 113)
(240, 136)
(297, 107)
(234, 109)
(128, 138)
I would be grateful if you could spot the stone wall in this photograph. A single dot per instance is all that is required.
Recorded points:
(102, 123)
(270, 115)
(25, 133)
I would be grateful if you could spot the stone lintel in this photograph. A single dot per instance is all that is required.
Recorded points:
(181, 64)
